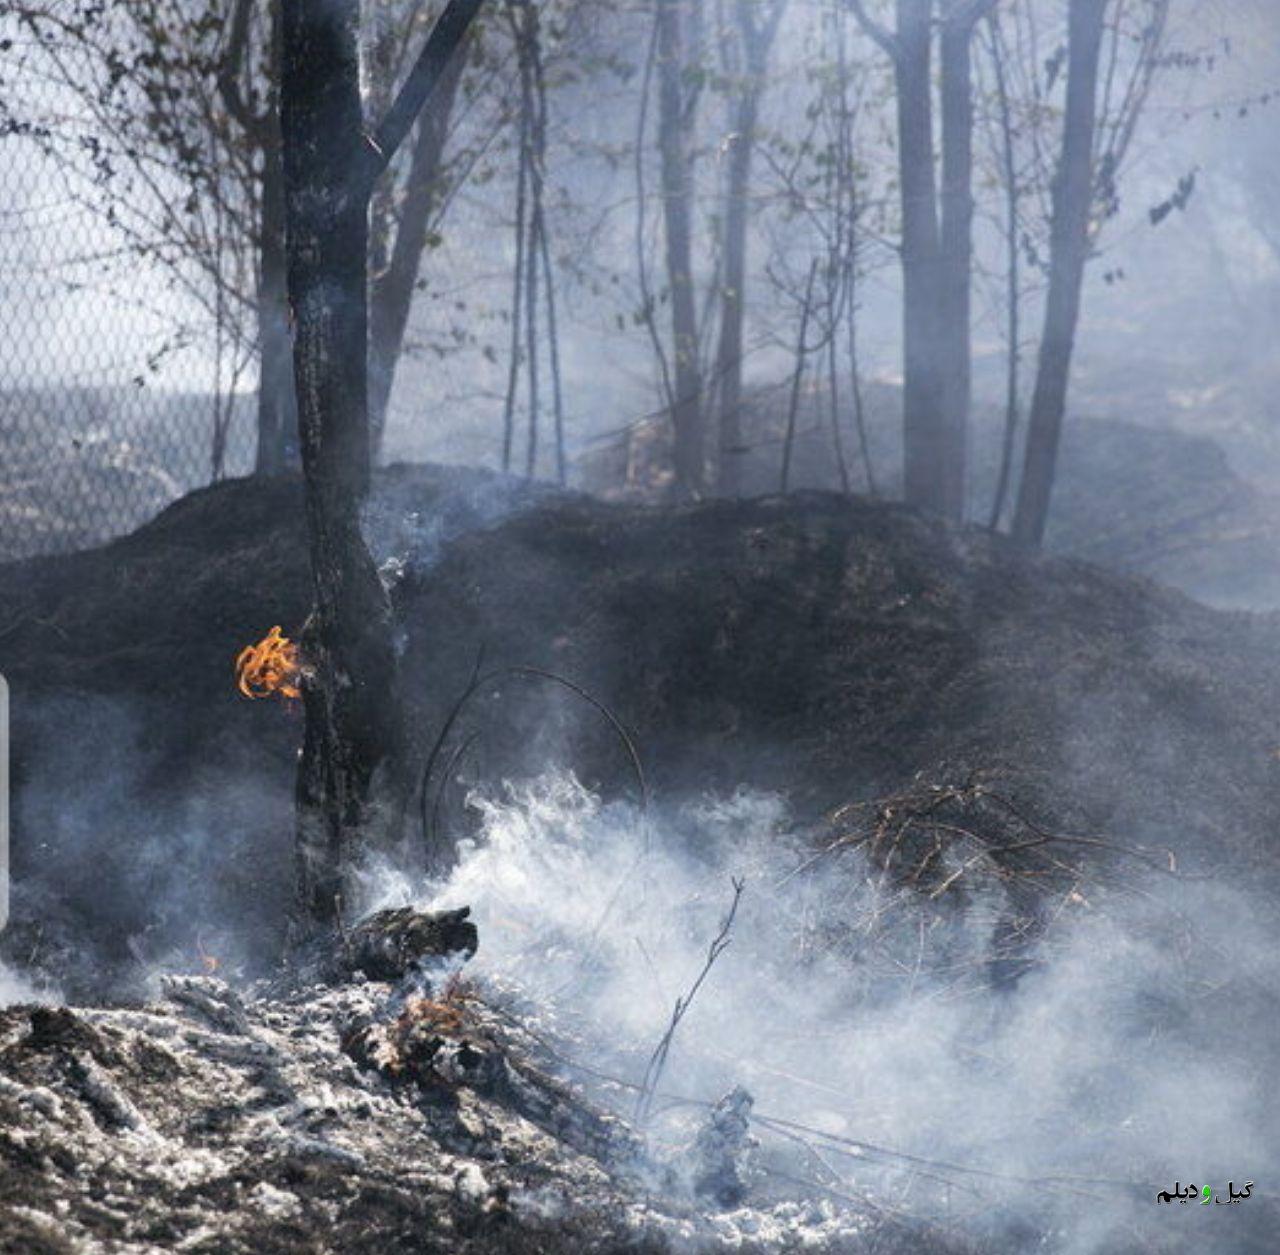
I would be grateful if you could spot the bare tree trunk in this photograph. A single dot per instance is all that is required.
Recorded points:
(534, 100)
(331, 166)
(1073, 198)
(732, 296)
(855, 378)
(391, 297)
(833, 374)
(553, 335)
(1013, 296)
(277, 398)
(793, 405)
(756, 40)
(517, 282)
(540, 240)
(677, 202)
(849, 205)
(531, 318)
(957, 247)
(277, 403)
(924, 436)
(923, 429)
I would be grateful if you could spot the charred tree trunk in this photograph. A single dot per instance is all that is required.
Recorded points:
(757, 39)
(1073, 197)
(331, 166)
(677, 203)
(349, 688)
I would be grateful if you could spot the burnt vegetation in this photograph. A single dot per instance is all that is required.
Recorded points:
(789, 819)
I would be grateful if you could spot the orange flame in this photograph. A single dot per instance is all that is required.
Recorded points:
(271, 668)
(207, 960)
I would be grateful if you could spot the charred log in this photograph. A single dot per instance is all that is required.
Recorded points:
(719, 1153)
(390, 944)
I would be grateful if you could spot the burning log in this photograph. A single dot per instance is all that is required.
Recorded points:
(446, 1039)
(430, 1040)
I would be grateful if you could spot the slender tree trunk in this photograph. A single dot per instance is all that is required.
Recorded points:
(1073, 194)
(1013, 295)
(756, 40)
(924, 434)
(391, 297)
(517, 282)
(277, 397)
(677, 202)
(732, 297)
(349, 689)
(534, 103)
(531, 319)
(797, 379)
(849, 202)
(553, 337)
(833, 375)
(957, 252)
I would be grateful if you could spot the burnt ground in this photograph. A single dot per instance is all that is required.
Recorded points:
(829, 648)
(204, 1121)
(834, 650)
(1145, 499)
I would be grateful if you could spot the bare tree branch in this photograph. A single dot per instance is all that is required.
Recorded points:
(232, 66)
(879, 32)
(967, 13)
(444, 40)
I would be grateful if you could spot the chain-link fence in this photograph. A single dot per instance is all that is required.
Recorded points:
(116, 395)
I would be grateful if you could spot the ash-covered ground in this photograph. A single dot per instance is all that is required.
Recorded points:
(424, 1113)
(1000, 971)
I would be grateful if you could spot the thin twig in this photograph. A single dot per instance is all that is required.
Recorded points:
(658, 1060)
(424, 788)
(478, 682)
(797, 378)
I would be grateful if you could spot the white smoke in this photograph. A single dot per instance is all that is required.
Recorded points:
(16, 989)
(1125, 1059)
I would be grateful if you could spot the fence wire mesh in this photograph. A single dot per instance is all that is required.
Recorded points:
(116, 397)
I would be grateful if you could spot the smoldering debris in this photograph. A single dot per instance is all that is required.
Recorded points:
(901, 1045)
(388, 945)
(326, 1119)
(849, 1078)
(717, 1161)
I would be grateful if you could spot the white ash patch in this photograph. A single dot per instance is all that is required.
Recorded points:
(238, 1123)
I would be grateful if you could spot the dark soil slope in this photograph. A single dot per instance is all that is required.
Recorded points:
(829, 648)
(1147, 500)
